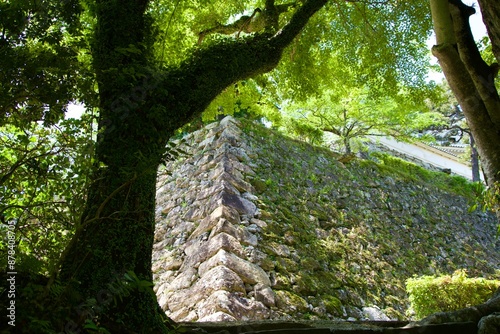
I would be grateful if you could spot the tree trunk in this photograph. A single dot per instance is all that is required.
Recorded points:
(472, 82)
(490, 10)
(474, 158)
(347, 145)
(117, 229)
(139, 111)
(470, 78)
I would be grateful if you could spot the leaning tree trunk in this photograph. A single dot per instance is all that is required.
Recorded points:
(137, 116)
(490, 10)
(470, 78)
(472, 82)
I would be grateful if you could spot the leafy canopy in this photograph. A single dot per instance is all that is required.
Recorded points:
(358, 51)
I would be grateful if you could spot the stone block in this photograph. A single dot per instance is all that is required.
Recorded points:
(249, 272)
(209, 222)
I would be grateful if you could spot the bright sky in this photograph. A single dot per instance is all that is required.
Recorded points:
(478, 30)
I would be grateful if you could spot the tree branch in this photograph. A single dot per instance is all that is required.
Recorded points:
(482, 75)
(210, 70)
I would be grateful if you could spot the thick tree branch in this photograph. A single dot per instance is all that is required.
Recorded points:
(482, 75)
(286, 35)
(490, 10)
(481, 120)
(210, 70)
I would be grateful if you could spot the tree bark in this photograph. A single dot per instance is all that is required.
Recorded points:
(490, 10)
(471, 80)
(140, 108)
(474, 158)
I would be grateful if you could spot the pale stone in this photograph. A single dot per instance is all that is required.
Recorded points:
(233, 304)
(264, 294)
(179, 315)
(240, 154)
(226, 242)
(168, 206)
(249, 272)
(217, 317)
(198, 251)
(243, 168)
(226, 227)
(183, 280)
(250, 239)
(218, 278)
(194, 213)
(214, 125)
(229, 121)
(238, 183)
(239, 233)
(210, 221)
(258, 222)
(207, 141)
(218, 187)
(249, 196)
(374, 313)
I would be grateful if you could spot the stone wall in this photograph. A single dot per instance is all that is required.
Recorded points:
(206, 263)
(252, 225)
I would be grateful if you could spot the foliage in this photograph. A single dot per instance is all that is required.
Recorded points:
(363, 43)
(43, 60)
(492, 197)
(347, 45)
(43, 178)
(54, 52)
(304, 131)
(488, 198)
(430, 294)
(352, 113)
(243, 97)
(486, 49)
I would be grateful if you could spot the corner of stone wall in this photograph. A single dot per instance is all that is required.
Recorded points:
(205, 257)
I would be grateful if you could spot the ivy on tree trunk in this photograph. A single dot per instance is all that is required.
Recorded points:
(140, 108)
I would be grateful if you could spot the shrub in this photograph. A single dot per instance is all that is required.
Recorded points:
(430, 294)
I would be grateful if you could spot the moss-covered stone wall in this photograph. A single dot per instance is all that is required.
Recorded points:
(254, 225)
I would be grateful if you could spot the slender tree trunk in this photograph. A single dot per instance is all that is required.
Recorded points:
(472, 82)
(490, 10)
(474, 157)
(347, 145)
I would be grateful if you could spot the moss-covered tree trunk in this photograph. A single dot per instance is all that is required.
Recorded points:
(140, 107)
(116, 232)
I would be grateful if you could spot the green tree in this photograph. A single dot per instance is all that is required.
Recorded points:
(137, 62)
(352, 113)
(43, 174)
(140, 106)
